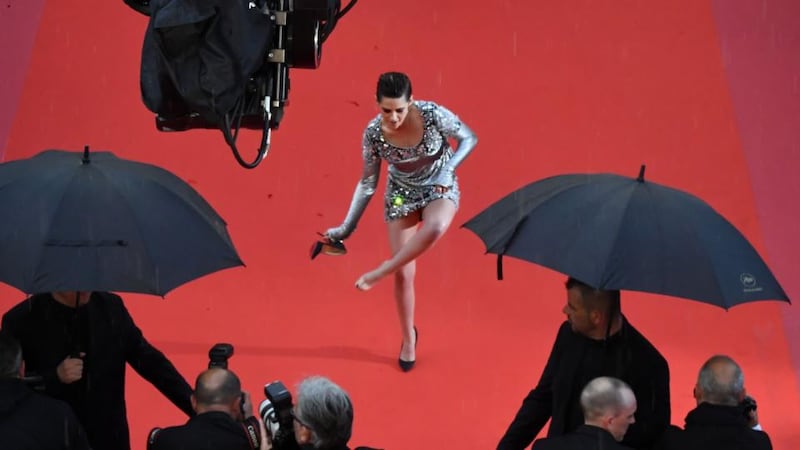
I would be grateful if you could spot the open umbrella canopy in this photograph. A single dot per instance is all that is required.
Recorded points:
(79, 222)
(615, 232)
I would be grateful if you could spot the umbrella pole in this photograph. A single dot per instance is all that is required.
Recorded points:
(76, 351)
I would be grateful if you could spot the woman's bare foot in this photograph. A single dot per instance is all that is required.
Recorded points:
(366, 281)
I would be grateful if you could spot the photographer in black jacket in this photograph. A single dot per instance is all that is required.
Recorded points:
(80, 344)
(28, 420)
(323, 415)
(221, 408)
(322, 419)
(721, 420)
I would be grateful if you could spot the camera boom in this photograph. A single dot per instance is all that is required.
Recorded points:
(189, 84)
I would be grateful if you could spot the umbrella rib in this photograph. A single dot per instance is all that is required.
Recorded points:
(158, 183)
(631, 191)
(148, 251)
(41, 248)
(526, 213)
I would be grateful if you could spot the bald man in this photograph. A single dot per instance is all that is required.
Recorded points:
(608, 406)
(221, 406)
(718, 422)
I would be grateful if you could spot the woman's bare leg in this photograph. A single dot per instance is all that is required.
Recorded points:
(400, 232)
(436, 218)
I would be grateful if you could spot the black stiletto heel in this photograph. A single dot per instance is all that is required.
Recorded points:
(405, 366)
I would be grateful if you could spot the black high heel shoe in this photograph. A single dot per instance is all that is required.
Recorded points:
(405, 366)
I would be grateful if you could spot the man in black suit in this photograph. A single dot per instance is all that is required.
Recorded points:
(596, 340)
(608, 409)
(219, 424)
(79, 344)
(28, 420)
(720, 422)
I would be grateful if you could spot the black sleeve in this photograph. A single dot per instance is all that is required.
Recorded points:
(154, 367)
(16, 323)
(653, 403)
(537, 407)
(765, 443)
(75, 436)
(670, 439)
(539, 444)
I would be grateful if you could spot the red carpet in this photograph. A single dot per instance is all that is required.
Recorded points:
(550, 87)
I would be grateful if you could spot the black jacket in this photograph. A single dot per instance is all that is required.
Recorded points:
(213, 430)
(585, 437)
(715, 427)
(49, 331)
(31, 421)
(210, 431)
(574, 361)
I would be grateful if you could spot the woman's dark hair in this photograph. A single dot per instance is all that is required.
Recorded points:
(393, 85)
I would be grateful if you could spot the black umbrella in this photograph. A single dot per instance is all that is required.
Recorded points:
(615, 232)
(75, 223)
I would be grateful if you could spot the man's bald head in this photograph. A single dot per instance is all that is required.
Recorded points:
(605, 395)
(217, 386)
(610, 404)
(720, 382)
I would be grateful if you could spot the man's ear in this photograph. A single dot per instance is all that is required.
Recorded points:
(742, 395)
(607, 420)
(194, 402)
(237, 406)
(22, 369)
(303, 435)
(596, 317)
(697, 393)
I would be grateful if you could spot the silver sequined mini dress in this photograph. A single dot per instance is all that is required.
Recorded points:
(414, 172)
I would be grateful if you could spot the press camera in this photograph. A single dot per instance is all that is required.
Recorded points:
(275, 410)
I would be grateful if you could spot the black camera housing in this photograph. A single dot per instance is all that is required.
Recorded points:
(285, 33)
(276, 412)
(219, 355)
(748, 405)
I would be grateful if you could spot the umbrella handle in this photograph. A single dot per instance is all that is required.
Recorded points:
(500, 267)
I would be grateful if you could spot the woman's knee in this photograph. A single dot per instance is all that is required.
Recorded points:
(406, 274)
(436, 227)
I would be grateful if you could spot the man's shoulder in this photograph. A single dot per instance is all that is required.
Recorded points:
(108, 303)
(576, 441)
(52, 404)
(202, 429)
(171, 437)
(29, 307)
(565, 334)
(108, 298)
(637, 339)
(16, 313)
(728, 438)
(48, 407)
(547, 443)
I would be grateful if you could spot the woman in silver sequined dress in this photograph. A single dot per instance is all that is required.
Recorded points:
(412, 137)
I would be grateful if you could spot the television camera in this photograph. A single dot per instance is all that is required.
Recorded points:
(190, 84)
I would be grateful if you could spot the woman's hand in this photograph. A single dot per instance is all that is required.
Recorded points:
(335, 234)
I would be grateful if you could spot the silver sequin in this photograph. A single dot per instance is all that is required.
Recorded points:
(413, 171)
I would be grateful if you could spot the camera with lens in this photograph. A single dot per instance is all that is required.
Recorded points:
(276, 412)
(748, 405)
